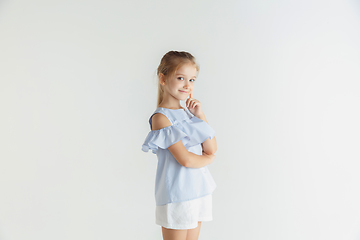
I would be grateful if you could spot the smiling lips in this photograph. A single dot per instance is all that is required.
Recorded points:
(183, 91)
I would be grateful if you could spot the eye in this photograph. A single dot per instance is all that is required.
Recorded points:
(192, 80)
(180, 78)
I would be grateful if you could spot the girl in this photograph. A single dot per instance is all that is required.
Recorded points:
(184, 144)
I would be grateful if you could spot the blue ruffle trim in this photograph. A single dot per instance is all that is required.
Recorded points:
(191, 132)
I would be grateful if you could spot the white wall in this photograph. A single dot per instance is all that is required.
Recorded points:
(279, 82)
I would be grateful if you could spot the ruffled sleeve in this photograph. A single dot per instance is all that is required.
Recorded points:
(162, 138)
(197, 130)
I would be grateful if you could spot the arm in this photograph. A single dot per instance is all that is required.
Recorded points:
(189, 159)
(178, 150)
(194, 106)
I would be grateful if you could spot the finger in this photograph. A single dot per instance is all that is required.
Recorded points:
(191, 101)
(198, 104)
(193, 105)
(188, 102)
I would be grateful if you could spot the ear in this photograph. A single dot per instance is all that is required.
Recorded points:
(162, 79)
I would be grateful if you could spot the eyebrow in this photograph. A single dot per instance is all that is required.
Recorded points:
(184, 75)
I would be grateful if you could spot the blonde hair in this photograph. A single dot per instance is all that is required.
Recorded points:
(171, 62)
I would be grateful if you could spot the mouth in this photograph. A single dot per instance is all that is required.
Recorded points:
(183, 91)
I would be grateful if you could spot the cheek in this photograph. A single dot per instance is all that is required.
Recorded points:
(177, 84)
(173, 86)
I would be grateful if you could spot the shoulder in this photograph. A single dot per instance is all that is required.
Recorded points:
(159, 121)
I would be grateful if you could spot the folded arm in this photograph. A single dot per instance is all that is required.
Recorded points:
(178, 150)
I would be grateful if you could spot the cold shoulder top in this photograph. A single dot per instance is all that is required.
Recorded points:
(174, 182)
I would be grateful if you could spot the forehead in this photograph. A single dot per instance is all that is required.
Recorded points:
(187, 69)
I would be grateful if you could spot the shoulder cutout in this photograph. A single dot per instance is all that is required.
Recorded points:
(159, 121)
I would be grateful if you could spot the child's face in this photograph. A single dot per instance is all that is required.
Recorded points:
(181, 84)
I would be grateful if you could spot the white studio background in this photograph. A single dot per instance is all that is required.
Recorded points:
(279, 82)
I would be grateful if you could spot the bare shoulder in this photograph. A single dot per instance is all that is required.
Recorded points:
(159, 121)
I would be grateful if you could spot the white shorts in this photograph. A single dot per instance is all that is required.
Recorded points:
(184, 215)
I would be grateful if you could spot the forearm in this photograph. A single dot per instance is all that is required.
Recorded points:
(197, 161)
(189, 159)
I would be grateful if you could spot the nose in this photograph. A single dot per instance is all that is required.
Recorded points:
(186, 84)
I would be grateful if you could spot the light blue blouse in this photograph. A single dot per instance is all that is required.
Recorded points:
(174, 182)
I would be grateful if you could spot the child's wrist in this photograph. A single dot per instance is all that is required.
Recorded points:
(201, 116)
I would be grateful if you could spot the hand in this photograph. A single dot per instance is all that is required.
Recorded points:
(194, 106)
